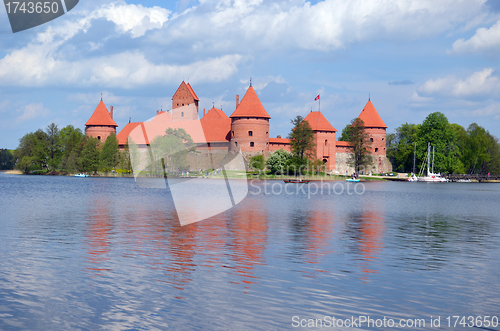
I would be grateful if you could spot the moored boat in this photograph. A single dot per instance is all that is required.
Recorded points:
(353, 180)
(296, 181)
(81, 175)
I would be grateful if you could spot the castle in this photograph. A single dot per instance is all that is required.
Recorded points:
(245, 130)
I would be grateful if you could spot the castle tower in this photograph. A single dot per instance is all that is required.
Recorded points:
(182, 97)
(324, 138)
(250, 125)
(376, 128)
(101, 123)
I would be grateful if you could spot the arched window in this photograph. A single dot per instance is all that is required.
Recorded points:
(182, 114)
(376, 150)
(251, 144)
(371, 140)
(326, 141)
(99, 137)
(250, 133)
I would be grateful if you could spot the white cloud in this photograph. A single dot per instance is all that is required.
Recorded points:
(31, 111)
(419, 99)
(36, 65)
(480, 83)
(485, 40)
(258, 83)
(327, 25)
(492, 109)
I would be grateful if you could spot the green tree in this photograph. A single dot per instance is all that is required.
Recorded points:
(6, 159)
(278, 161)
(359, 142)
(493, 164)
(90, 155)
(401, 146)
(32, 152)
(475, 151)
(53, 146)
(440, 133)
(173, 148)
(257, 162)
(109, 156)
(302, 145)
(346, 133)
(72, 142)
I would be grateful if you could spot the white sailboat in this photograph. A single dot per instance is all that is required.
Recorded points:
(431, 176)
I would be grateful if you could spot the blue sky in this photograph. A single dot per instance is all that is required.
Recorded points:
(411, 57)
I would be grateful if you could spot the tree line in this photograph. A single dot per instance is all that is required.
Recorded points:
(457, 150)
(68, 150)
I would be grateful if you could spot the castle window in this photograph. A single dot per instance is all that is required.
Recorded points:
(267, 133)
(250, 133)
(382, 138)
(326, 141)
(183, 104)
(182, 114)
(177, 105)
(376, 150)
(232, 133)
(235, 143)
(251, 144)
(99, 137)
(371, 139)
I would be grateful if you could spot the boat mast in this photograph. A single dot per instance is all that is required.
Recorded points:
(414, 155)
(428, 158)
(433, 152)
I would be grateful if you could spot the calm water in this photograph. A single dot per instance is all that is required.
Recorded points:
(89, 253)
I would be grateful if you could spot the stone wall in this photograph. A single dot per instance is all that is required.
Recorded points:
(379, 164)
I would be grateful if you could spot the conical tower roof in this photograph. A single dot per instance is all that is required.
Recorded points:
(318, 122)
(101, 116)
(370, 117)
(250, 106)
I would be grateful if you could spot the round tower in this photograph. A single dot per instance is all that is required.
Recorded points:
(376, 128)
(250, 125)
(101, 123)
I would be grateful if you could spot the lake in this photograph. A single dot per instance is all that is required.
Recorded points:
(105, 253)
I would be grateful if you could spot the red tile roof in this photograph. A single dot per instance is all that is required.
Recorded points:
(279, 141)
(101, 116)
(192, 91)
(215, 113)
(123, 135)
(342, 143)
(318, 122)
(250, 106)
(370, 117)
(216, 126)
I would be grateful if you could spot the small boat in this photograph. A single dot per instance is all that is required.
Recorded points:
(296, 181)
(353, 180)
(413, 178)
(431, 176)
(81, 175)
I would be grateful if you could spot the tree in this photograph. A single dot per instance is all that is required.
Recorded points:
(72, 142)
(493, 164)
(346, 133)
(437, 131)
(475, 151)
(301, 138)
(32, 152)
(109, 156)
(173, 149)
(257, 162)
(90, 155)
(401, 146)
(53, 146)
(278, 161)
(359, 142)
(6, 159)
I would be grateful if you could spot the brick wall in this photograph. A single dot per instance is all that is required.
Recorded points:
(100, 132)
(245, 131)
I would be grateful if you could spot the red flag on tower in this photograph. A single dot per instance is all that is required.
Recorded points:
(317, 98)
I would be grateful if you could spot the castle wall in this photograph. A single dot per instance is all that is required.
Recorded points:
(248, 130)
(100, 132)
(275, 146)
(181, 98)
(380, 163)
(378, 145)
(325, 148)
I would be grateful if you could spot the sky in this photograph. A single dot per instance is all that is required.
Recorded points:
(411, 58)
